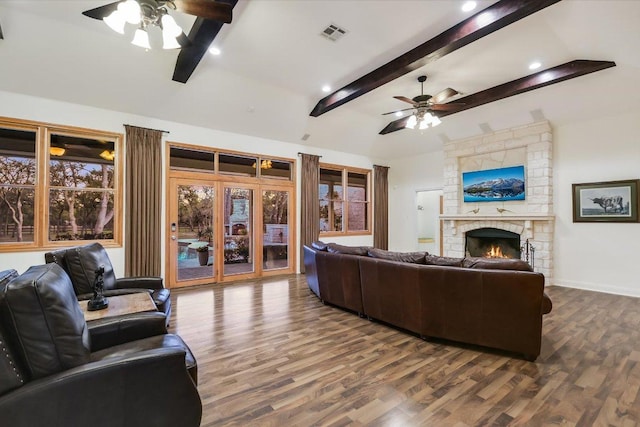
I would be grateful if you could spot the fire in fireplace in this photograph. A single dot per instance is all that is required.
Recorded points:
(492, 243)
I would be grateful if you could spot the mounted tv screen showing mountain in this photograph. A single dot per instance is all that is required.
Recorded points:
(494, 185)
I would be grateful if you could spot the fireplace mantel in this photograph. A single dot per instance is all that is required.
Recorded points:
(526, 220)
(516, 217)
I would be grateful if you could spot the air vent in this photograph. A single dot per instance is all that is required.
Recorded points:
(333, 32)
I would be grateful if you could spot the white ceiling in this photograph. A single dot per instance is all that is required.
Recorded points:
(274, 63)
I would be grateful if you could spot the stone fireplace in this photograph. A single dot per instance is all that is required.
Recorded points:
(530, 219)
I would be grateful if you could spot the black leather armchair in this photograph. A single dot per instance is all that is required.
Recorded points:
(81, 262)
(57, 371)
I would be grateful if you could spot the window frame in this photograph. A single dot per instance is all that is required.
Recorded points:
(42, 187)
(345, 170)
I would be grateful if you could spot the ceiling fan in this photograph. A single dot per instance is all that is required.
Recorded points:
(207, 9)
(155, 12)
(424, 105)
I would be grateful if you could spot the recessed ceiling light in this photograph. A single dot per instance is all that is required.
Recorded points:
(534, 65)
(326, 88)
(468, 6)
(398, 113)
(214, 51)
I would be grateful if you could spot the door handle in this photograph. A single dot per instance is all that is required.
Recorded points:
(173, 237)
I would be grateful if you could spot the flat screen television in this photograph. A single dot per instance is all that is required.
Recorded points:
(494, 185)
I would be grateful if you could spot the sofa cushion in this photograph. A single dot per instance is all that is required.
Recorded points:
(44, 321)
(412, 257)
(443, 261)
(496, 263)
(6, 276)
(10, 375)
(319, 245)
(82, 263)
(347, 250)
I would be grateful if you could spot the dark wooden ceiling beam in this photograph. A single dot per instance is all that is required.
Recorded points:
(202, 34)
(485, 22)
(560, 73)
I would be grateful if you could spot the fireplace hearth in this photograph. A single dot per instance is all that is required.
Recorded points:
(492, 243)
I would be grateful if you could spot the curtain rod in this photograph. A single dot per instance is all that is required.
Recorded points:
(140, 127)
(300, 154)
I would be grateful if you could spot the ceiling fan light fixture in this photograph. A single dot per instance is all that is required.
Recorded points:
(170, 30)
(169, 42)
(412, 122)
(169, 26)
(108, 155)
(435, 121)
(141, 38)
(130, 11)
(57, 151)
(115, 21)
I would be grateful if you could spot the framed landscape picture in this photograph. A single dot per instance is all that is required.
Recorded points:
(613, 201)
(494, 185)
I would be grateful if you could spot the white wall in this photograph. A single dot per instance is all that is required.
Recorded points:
(45, 110)
(596, 256)
(406, 176)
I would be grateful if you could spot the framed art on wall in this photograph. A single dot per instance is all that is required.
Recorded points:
(494, 185)
(612, 201)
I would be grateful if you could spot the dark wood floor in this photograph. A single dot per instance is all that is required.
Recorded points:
(270, 354)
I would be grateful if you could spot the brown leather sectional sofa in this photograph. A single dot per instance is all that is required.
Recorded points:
(492, 303)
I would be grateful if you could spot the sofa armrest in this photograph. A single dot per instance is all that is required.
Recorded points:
(140, 282)
(112, 331)
(125, 391)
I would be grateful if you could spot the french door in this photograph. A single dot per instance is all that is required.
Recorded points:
(277, 211)
(192, 232)
(223, 231)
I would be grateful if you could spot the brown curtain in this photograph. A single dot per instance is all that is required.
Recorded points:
(143, 202)
(310, 203)
(380, 207)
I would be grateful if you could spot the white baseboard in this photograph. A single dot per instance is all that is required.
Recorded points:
(599, 287)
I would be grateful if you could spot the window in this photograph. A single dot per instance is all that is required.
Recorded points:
(57, 185)
(245, 165)
(340, 211)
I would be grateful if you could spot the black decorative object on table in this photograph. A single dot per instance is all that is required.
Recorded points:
(98, 301)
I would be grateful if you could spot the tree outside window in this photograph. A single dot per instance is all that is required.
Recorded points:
(340, 213)
(68, 192)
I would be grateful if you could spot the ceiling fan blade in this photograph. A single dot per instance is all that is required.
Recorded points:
(397, 111)
(405, 99)
(102, 11)
(1, 36)
(452, 106)
(395, 125)
(207, 9)
(443, 95)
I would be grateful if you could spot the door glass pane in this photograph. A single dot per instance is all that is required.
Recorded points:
(195, 232)
(238, 233)
(275, 220)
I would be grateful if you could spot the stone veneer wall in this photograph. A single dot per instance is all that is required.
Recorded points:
(529, 145)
